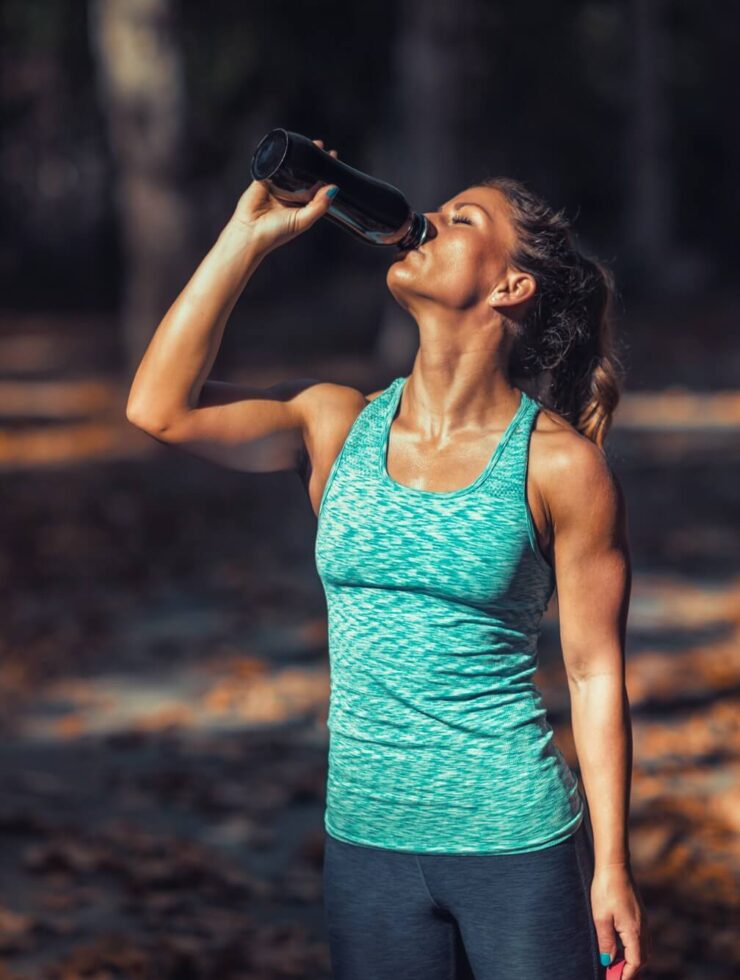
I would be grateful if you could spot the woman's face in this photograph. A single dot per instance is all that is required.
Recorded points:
(463, 258)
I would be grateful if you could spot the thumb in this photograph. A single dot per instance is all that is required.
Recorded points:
(607, 942)
(319, 204)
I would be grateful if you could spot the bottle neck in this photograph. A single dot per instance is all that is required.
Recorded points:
(417, 233)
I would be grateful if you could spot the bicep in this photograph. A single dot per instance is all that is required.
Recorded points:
(592, 564)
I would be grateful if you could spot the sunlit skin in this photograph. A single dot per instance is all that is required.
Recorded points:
(457, 286)
(462, 268)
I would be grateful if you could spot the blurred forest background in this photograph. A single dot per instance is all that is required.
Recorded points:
(163, 668)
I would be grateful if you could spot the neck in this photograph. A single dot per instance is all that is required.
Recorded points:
(447, 392)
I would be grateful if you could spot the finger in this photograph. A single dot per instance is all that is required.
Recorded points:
(607, 941)
(316, 207)
(633, 960)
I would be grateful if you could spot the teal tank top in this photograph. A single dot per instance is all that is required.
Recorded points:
(438, 737)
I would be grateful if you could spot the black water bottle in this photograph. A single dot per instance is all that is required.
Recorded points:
(294, 167)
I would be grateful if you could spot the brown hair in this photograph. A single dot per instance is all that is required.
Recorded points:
(566, 343)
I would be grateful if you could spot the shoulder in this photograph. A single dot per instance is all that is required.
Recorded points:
(572, 473)
(328, 412)
(326, 405)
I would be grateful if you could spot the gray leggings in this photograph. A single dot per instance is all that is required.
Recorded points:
(401, 915)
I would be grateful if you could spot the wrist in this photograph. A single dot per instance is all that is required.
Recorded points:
(240, 239)
(613, 867)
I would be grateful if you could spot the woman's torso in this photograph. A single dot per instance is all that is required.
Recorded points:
(439, 740)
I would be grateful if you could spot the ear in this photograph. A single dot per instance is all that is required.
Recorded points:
(515, 289)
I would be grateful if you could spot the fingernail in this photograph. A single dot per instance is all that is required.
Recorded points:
(332, 192)
(606, 958)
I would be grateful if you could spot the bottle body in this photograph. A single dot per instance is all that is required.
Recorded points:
(294, 167)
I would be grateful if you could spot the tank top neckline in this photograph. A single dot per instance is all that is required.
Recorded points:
(392, 407)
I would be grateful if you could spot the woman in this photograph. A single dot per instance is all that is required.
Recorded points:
(450, 504)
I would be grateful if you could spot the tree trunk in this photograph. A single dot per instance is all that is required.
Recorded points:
(140, 77)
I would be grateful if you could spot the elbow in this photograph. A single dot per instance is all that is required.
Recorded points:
(145, 421)
(133, 416)
(602, 683)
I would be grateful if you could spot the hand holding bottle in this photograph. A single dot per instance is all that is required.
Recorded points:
(273, 223)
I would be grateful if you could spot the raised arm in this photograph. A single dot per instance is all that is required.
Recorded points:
(239, 426)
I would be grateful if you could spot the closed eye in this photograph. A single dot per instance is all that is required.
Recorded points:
(457, 218)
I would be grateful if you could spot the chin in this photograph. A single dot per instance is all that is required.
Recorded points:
(399, 270)
(397, 293)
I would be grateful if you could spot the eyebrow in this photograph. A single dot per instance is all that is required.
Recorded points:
(462, 204)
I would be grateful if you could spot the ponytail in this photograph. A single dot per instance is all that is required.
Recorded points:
(565, 346)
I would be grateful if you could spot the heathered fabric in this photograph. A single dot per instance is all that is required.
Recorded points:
(438, 737)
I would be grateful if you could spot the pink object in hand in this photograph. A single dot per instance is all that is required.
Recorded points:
(614, 972)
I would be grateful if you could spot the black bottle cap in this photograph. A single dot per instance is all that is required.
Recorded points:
(417, 233)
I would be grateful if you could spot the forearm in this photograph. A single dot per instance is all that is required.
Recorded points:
(602, 733)
(184, 346)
